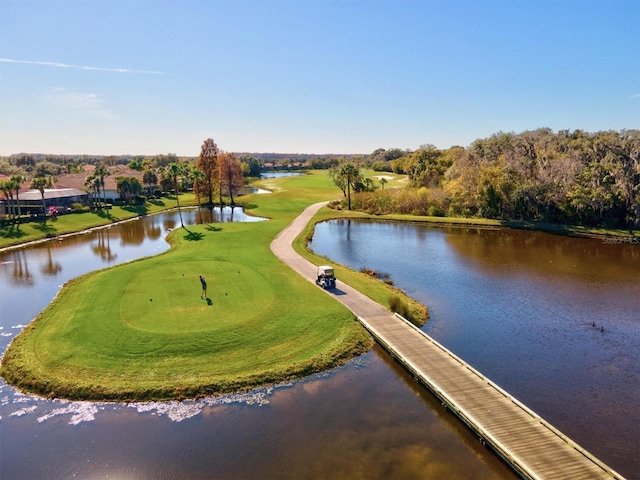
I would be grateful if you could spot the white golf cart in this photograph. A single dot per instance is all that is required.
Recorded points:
(326, 278)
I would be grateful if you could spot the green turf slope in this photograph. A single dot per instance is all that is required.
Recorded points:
(141, 331)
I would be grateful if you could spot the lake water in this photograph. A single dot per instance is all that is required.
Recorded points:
(527, 309)
(280, 174)
(367, 419)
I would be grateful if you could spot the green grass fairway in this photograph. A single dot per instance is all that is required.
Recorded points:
(140, 331)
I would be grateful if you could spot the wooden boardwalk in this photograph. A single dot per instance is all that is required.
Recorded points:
(533, 447)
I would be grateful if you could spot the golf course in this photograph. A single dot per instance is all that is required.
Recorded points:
(143, 331)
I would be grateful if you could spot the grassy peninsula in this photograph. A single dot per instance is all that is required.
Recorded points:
(140, 331)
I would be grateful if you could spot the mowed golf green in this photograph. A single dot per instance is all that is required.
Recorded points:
(141, 331)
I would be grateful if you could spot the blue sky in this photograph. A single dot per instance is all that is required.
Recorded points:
(309, 76)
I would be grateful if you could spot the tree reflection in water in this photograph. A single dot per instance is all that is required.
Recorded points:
(51, 268)
(223, 214)
(132, 233)
(169, 224)
(103, 246)
(204, 215)
(152, 230)
(20, 273)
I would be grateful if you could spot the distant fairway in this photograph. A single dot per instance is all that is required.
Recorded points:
(140, 331)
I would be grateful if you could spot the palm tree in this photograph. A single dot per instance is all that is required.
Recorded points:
(91, 185)
(197, 176)
(383, 182)
(6, 187)
(175, 170)
(17, 180)
(101, 172)
(350, 172)
(42, 183)
(149, 178)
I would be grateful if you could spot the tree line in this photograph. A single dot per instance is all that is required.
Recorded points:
(252, 163)
(214, 176)
(567, 177)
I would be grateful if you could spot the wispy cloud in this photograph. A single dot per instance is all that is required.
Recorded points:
(78, 67)
(637, 95)
(92, 104)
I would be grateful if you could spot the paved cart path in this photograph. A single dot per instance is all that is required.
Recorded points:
(533, 447)
(282, 247)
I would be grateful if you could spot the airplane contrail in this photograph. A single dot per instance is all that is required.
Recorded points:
(78, 67)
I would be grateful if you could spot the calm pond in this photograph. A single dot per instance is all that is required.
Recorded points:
(553, 320)
(367, 419)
